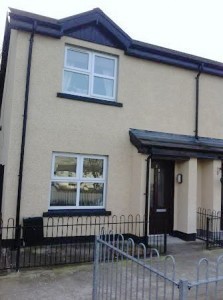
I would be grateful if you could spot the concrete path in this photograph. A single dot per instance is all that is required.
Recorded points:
(75, 282)
(187, 255)
(59, 283)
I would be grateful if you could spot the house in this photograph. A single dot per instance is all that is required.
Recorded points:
(96, 123)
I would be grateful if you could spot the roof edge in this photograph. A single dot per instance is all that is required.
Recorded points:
(146, 141)
(21, 20)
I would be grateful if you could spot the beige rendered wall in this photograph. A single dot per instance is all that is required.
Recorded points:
(11, 121)
(210, 106)
(154, 96)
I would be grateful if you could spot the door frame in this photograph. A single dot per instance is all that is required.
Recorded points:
(148, 194)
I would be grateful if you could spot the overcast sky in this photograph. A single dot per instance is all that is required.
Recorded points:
(191, 26)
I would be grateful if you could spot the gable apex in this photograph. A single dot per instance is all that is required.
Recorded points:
(95, 21)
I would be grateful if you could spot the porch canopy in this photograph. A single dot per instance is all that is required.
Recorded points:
(175, 146)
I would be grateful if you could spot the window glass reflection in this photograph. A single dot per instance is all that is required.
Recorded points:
(76, 82)
(65, 166)
(91, 194)
(93, 168)
(77, 59)
(104, 66)
(63, 194)
(103, 86)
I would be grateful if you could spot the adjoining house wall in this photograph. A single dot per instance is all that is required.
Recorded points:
(210, 185)
(154, 96)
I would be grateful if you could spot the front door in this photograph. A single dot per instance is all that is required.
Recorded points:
(161, 196)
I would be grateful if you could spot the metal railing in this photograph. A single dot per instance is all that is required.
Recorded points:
(65, 240)
(124, 270)
(209, 227)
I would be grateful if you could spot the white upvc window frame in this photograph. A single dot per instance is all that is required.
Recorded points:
(90, 72)
(79, 179)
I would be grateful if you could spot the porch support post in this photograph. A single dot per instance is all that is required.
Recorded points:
(186, 200)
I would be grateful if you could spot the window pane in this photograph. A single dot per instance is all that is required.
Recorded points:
(76, 82)
(77, 59)
(93, 168)
(65, 166)
(63, 194)
(91, 194)
(103, 87)
(104, 66)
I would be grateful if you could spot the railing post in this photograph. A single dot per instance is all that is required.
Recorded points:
(96, 269)
(207, 232)
(183, 290)
(17, 244)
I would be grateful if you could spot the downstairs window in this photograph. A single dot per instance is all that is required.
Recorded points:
(78, 181)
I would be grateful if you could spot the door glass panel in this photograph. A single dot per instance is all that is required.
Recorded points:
(151, 188)
(160, 188)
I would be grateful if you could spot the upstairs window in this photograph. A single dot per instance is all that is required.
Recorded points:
(89, 74)
(78, 181)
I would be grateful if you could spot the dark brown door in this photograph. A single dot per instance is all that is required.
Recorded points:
(161, 196)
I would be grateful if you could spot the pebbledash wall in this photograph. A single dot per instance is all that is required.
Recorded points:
(155, 96)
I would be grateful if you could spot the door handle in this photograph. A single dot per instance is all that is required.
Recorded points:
(161, 210)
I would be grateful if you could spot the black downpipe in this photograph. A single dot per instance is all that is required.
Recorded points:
(1, 188)
(146, 199)
(197, 78)
(22, 150)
